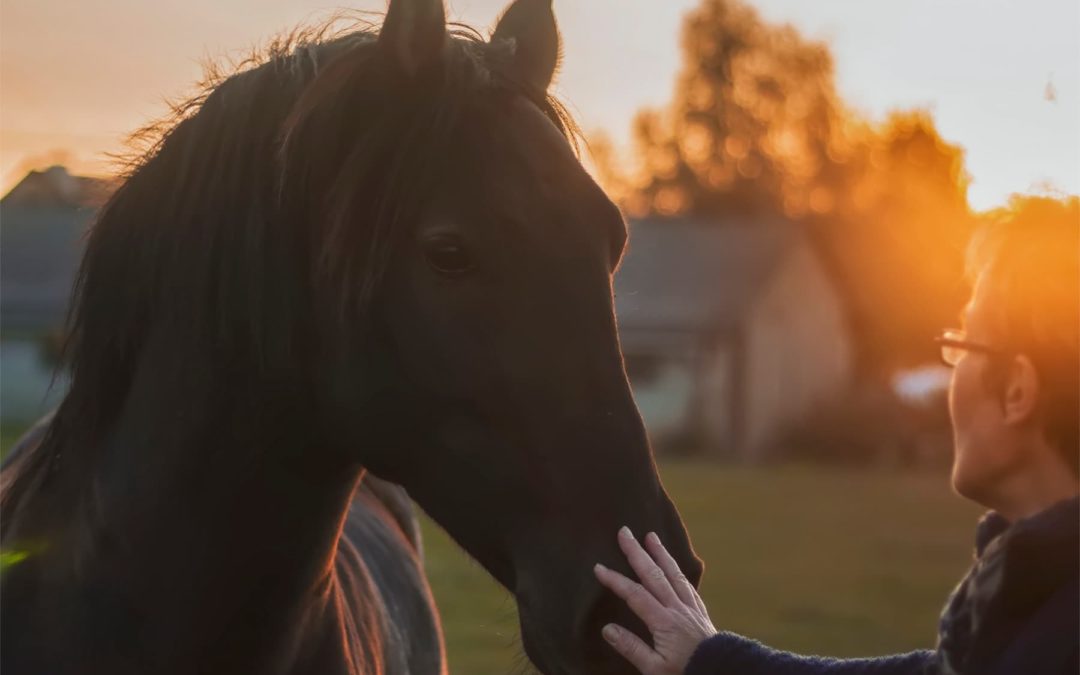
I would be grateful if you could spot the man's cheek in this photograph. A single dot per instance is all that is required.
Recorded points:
(960, 396)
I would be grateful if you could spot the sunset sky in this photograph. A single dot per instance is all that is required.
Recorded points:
(1001, 76)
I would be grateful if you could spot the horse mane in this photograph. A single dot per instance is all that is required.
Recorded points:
(284, 179)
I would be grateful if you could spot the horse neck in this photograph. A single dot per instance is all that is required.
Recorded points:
(209, 505)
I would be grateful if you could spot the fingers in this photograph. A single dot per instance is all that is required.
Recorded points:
(682, 586)
(640, 601)
(633, 649)
(650, 574)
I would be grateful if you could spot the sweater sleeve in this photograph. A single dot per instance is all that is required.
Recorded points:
(731, 654)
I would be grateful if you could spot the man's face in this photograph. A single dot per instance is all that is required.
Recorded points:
(984, 445)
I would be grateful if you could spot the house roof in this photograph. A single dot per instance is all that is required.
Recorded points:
(683, 276)
(55, 187)
(678, 276)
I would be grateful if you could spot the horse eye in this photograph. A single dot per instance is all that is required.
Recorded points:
(447, 255)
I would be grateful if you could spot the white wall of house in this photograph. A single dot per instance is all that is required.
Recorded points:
(664, 395)
(797, 351)
(716, 393)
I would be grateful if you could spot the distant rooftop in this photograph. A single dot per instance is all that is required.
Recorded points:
(56, 187)
(682, 275)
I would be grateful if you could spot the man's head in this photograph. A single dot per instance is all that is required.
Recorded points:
(1015, 397)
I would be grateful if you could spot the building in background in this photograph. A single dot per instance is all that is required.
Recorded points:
(43, 220)
(732, 333)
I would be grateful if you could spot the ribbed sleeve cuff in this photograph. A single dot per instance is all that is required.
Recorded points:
(723, 648)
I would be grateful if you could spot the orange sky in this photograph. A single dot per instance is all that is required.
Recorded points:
(76, 77)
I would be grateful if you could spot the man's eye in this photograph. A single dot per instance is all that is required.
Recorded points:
(447, 255)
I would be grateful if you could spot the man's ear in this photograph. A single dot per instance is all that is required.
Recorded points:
(1022, 391)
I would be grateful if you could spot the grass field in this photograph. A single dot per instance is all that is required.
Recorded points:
(815, 559)
(8, 436)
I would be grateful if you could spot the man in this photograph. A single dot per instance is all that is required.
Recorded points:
(1014, 401)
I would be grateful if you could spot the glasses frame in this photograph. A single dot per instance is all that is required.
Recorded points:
(957, 339)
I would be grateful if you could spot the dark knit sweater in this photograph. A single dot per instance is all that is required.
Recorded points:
(1016, 612)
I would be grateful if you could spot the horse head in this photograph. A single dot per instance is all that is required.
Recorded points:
(484, 372)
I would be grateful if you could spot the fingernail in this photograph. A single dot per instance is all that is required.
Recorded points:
(653, 538)
(610, 633)
(625, 532)
(599, 568)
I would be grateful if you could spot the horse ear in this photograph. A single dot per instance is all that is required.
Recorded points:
(531, 25)
(414, 33)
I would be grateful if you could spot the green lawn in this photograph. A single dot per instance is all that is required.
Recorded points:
(814, 559)
(818, 560)
(8, 435)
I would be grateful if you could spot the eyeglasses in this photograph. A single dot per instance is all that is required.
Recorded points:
(954, 344)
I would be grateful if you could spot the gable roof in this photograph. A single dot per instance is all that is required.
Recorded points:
(677, 276)
(689, 276)
(55, 187)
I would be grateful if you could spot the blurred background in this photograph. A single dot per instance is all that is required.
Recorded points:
(800, 181)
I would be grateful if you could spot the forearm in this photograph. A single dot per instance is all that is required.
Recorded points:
(731, 654)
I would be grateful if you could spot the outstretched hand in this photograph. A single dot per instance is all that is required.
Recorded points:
(665, 601)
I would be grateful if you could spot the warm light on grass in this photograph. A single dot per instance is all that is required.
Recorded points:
(815, 559)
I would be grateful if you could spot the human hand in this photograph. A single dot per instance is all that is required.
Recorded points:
(665, 601)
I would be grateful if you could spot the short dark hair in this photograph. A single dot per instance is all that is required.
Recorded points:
(1028, 255)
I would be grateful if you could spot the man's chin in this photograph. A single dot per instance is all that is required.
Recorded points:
(972, 486)
(964, 482)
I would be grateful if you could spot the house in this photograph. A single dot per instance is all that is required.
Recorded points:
(731, 332)
(43, 220)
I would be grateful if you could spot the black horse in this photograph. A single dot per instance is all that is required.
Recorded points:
(366, 252)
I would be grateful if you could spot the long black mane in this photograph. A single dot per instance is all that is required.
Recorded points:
(266, 204)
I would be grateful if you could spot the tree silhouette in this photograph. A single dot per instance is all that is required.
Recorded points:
(756, 130)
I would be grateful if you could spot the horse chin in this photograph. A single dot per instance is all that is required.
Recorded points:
(554, 661)
(559, 645)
